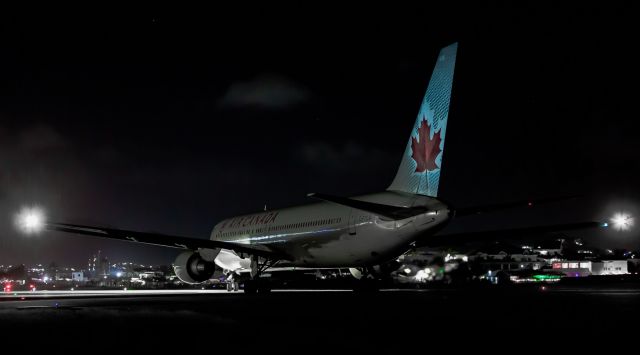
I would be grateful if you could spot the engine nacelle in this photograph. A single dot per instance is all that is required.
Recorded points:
(192, 268)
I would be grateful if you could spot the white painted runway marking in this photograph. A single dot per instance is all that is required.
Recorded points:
(115, 293)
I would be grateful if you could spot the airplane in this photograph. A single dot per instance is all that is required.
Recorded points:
(358, 233)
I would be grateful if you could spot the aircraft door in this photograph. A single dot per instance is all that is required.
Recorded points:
(353, 215)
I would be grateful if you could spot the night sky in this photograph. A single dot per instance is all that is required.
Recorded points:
(170, 120)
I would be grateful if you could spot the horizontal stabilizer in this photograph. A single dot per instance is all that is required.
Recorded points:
(386, 211)
(502, 234)
(166, 240)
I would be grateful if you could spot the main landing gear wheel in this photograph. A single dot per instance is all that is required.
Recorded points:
(231, 282)
(232, 286)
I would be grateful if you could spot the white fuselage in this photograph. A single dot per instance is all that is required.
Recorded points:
(326, 234)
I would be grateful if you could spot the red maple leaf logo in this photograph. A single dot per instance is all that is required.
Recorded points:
(424, 149)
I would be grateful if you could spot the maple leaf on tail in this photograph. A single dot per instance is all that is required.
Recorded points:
(425, 149)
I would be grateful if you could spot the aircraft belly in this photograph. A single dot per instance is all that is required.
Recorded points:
(358, 238)
(369, 245)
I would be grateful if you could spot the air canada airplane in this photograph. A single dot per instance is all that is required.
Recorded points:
(358, 233)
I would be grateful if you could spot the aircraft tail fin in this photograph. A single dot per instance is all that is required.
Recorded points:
(419, 171)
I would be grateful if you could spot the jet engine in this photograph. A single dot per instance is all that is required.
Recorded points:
(192, 268)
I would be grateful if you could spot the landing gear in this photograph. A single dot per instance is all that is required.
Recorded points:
(366, 280)
(232, 286)
(232, 283)
(256, 284)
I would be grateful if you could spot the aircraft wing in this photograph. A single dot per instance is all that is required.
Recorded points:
(502, 234)
(169, 241)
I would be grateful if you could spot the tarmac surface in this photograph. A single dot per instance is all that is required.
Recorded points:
(292, 321)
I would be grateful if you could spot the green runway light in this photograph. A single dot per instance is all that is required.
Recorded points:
(543, 277)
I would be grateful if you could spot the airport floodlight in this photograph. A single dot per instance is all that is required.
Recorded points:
(622, 221)
(30, 220)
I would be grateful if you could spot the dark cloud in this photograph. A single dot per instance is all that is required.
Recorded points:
(40, 137)
(349, 156)
(269, 91)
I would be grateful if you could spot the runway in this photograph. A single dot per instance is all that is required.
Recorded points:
(123, 293)
(384, 320)
(62, 294)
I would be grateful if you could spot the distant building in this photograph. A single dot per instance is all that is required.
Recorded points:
(78, 276)
(585, 268)
(573, 268)
(98, 267)
(151, 274)
(549, 248)
(610, 267)
(500, 256)
(633, 265)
